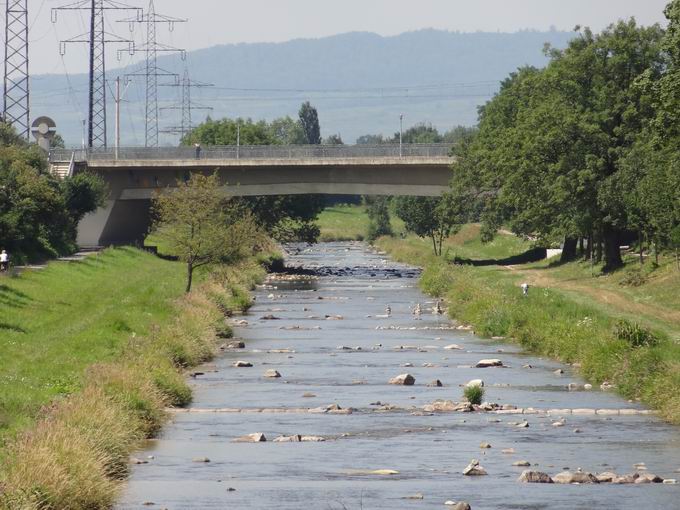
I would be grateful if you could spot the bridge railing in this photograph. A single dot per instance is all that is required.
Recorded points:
(254, 152)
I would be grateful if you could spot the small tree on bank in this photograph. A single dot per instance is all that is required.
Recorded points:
(199, 225)
(433, 217)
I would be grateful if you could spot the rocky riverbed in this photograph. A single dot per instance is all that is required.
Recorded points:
(345, 394)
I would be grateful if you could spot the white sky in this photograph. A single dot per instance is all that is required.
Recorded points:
(213, 22)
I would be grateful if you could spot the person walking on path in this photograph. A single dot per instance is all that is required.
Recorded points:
(4, 261)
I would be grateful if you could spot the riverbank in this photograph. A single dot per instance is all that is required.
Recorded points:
(345, 222)
(93, 352)
(640, 363)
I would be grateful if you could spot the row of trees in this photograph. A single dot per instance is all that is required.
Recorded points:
(39, 214)
(421, 133)
(285, 217)
(305, 130)
(586, 148)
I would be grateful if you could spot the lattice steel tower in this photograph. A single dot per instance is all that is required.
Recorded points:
(152, 71)
(187, 106)
(15, 91)
(97, 38)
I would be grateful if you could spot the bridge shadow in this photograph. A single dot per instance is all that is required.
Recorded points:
(532, 255)
(13, 298)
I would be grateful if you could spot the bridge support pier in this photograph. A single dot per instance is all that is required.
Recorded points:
(118, 222)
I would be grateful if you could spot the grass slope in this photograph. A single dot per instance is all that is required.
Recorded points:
(348, 223)
(93, 352)
(574, 324)
(57, 321)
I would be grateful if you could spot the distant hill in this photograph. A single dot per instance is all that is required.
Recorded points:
(360, 82)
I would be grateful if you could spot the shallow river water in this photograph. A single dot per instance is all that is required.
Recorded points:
(429, 451)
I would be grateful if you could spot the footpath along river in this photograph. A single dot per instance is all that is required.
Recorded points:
(293, 329)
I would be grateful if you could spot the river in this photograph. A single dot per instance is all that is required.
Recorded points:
(425, 452)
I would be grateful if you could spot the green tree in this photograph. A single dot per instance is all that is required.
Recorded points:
(283, 216)
(371, 140)
(309, 120)
(377, 208)
(333, 140)
(200, 226)
(548, 158)
(420, 133)
(433, 217)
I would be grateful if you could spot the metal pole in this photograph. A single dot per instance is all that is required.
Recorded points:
(117, 99)
(238, 140)
(401, 130)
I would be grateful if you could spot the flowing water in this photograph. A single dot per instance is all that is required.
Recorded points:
(425, 451)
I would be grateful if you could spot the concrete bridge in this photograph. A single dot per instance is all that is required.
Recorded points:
(135, 175)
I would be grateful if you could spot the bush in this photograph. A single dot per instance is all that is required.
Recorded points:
(635, 334)
(634, 278)
(474, 394)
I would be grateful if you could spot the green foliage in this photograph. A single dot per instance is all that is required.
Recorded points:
(309, 120)
(377, 208)
(282, 131)
(474, 394)
(436, 218)
(83, 193)
(550, 159)
(634, 278)
(333, 140)
(198, 224)
(635, 334)
(286, 217)
(38, 213)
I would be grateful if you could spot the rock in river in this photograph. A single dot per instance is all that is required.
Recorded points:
(403, 379)
(474, 469)
(272, 373)
(242, 364)
(475, 382)
(575, 477)
(458, 505)
(529, 476)
(486, 363)
(257, 437)
(435, 384)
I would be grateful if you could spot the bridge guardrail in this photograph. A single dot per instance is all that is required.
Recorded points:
(253, 152)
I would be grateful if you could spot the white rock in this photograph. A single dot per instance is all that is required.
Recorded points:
(485, 363)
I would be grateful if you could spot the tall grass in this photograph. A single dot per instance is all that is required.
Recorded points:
(76, 455)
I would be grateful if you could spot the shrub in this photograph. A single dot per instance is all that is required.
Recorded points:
(634, 278)
(635, 334)
(474, 394)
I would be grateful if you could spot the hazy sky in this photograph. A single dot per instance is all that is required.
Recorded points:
(214, 22)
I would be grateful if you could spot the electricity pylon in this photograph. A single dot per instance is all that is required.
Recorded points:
(15, 109)
(97, 38)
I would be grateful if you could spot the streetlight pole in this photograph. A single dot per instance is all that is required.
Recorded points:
(238, 140)
(401, 130)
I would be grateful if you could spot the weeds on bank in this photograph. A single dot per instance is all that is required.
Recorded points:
(77, 454)
(641, 363)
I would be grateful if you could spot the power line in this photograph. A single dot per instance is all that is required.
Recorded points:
(152, 71)
(97, 38)
(186, 106)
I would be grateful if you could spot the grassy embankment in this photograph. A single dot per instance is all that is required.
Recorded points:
(348, 223)
(569, 314)
(92, 353)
